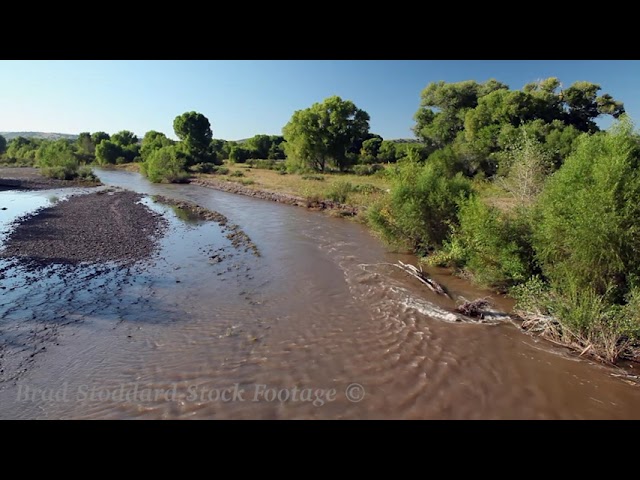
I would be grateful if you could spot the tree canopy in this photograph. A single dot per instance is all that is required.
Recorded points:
(477, 119)
(323, 134)
(194, 130)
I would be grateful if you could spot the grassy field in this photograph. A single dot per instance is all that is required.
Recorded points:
(363, 190)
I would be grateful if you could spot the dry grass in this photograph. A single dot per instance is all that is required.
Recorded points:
(294, 184)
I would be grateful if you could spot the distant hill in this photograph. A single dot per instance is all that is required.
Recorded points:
(45, 135)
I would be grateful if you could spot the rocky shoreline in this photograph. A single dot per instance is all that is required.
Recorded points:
(106, 226)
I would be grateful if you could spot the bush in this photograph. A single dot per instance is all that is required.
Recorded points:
(495, 246)
(339, 191)
(264, 164)
(247, 181)
(367, 169)
(205, 168)
(587, 225)
(60, 172)
(85, 173)
(422, 206)
(236, 173)
(166, 164)
(57, 160)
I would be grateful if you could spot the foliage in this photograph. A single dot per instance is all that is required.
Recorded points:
(3, 144)
(323, 135)
(421, 207)
(525, 166)
(367, 169)
(236, 173)
(589, 216)
(57, 159)
(152, 141)
(124, 138)
(239, 154)
(496, 247)
(107, 152)
(99, 137)
(194, 130)
(339, 191)
(476, 118)
(167, 164)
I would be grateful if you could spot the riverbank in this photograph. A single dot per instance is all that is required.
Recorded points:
(29, 178)
(99, 227)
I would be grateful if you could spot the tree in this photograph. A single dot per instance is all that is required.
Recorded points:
(152, 141)
(108, 152)
(124, 138)
(98, 137)
(259, 146)
(478, 119)
(387, 152)
(194, 130)
(3, 144)
(85, 144)
(370, 149)
(322, 134)
(239, 154)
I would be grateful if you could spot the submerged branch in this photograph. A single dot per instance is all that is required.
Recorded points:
(420, 275)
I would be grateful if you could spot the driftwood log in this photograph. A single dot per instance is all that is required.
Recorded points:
(420, 275)
(474, 308)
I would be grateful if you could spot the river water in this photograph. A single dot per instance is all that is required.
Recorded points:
(319, 326)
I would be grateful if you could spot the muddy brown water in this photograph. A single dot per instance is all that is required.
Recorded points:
(318, 326)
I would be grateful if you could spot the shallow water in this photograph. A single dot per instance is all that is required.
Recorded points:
(318, 326)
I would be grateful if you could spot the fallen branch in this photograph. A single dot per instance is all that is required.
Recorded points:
(474, 308)
(420, 275)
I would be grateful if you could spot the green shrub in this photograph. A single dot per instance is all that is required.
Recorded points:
(57, 160)
(205, 168)
(364, 170)
(236, 173)
(247, 181)
(588, 221)
(85, 173)
(422, 206)
(59, 172)
(495, 246)
(166, 164)
(339, 191)
(264, 164)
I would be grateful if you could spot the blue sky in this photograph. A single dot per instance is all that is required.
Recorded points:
(246, 97)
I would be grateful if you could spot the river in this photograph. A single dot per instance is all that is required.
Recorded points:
(319, 326)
